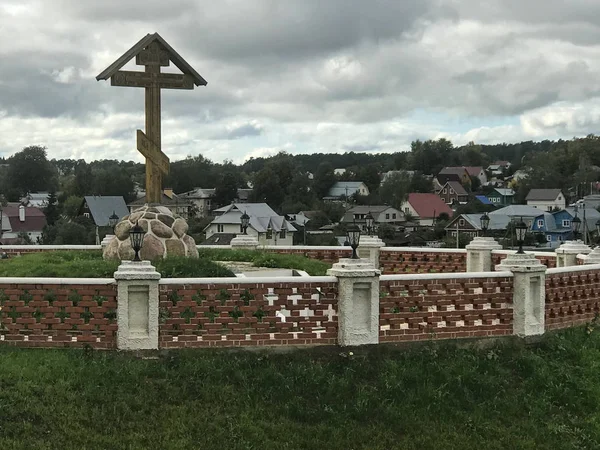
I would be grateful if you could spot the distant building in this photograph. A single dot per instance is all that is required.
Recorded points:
(345, 189)
(265, 224)
(21, 219)
(459, 174)
(36, 199)
(453, 192)
(501, 197)
(203, 199)
(99, 208)
(470, 224)
(546, 199)
(425, 208)
(170, 200)
(477, 172)
(382, 214)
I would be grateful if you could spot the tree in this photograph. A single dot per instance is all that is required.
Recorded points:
(51, 210)
(72, 205)
(324, 178)
(267, 189)
(226, 190)
(30, 171)
(394, 190)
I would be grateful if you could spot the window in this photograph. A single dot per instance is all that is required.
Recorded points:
(387, 216)
(451, 191)
(282, 233)
(406, 210)
(269, 233)
(445, 191)
(86, 215)
(549, 238)
(540, 223)
(219, 228)
(566, 223)
(461, 222)
(393, 215)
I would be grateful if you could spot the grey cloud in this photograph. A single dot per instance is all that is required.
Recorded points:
(240, 131)
(361, 147)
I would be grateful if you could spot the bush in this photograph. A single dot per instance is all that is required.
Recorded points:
(89, 264)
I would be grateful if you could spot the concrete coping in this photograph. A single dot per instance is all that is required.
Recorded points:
(51, 247)
(511, 252)
(446, 276)
(56, 280)
(568, 269)
(423, 250)
(250, 280)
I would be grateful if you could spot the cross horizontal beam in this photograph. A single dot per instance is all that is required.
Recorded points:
(129, 78)
(147, 148)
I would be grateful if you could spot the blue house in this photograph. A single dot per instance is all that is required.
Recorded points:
(556, 226)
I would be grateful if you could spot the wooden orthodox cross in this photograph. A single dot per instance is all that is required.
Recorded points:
(152, 52)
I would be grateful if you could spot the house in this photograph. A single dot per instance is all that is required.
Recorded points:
(100, 207)
(386, 175)
(339, 171)
(382, 214)
(19, 220)
(483, 200)
(459, 174)
(518, 212)
(344, 189)
(546, 199)
(37, 199)
(453, 192)
(425, 208)
(556, 225)
(498, 167)
(268, 227)
(477, 172)
(470, 224)
(501, 196)
(170, 200)
(202, 199)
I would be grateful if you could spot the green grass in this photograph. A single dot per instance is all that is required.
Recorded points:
(89, 264)
(429, 396)
(266, 259)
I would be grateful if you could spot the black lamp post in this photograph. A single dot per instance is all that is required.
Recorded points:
(112, 220)
(485, 223)
(520, 230)
(136, 235)
(353, 235)
(245, 220)
(575, 226)
(370, 220)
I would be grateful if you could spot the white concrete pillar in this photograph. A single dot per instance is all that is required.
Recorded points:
(593, 257)
(529, 293)
(244, 242)
(566, 254)
(479, 253)
(106, 240)
(369, 248)
(358, 301)
(137, 305)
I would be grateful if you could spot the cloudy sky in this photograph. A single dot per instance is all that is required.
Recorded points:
(301, 75)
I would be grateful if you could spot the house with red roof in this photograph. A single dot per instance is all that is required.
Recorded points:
(17, 220)
(425, 208)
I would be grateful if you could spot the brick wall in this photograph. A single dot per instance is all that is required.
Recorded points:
(421, 260)
(572, 298)
(444, 308)
(546, 258)
(246, 313)
(58, 315)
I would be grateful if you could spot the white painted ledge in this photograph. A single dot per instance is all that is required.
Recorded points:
(445, 276)
(57, 280)
(569, 269)
(423, 250)
(249, 280)
(51, 247)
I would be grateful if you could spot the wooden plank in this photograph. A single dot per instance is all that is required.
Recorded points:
(147, 148)
(129, 78)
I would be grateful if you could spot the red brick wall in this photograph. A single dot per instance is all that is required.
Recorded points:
(549, 259)
(445, 308)
(405, 261)
(572, 298)
(240, 314)
(53, 315)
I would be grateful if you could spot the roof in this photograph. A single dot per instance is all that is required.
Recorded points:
(219, 239)
(549, 221)
(165, 200)
(543, 194)
(102, 207)
(591, 216)
(453, 170)
(505, 192)
(473, 170)
(364, 209)
(428, 205)
(261, 216)
(498, 222)
(517, 211)
(143, 43)
(198, 193)
(344, 188)
(458, 188)
(483, 199)
(35, 220)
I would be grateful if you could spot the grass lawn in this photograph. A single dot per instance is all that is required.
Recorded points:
(429, 396)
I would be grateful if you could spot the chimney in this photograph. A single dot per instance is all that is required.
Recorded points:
(22, 213)
(168, 192)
